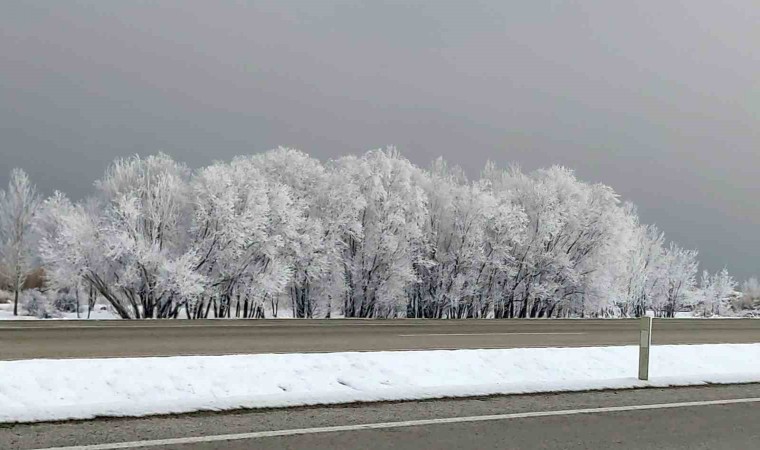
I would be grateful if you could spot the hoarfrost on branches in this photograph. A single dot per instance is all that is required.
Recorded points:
(361, 236)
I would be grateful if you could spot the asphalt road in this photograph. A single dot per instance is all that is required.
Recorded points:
(80, 339)
(679, 418)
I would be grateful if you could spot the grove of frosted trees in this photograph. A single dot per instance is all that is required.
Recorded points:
(370, 236)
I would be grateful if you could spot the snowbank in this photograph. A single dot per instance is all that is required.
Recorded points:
(37, 390)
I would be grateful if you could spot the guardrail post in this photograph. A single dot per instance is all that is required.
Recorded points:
(645, 343)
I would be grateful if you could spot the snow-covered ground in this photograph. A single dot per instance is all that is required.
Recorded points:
(100, 313)
(104, 312)
(37, 390)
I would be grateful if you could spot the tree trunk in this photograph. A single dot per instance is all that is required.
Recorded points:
(15, 302)
(90, 300)
(208, 307)
(275, 305)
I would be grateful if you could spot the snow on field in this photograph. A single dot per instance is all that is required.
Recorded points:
(6, 313)
(38, 390)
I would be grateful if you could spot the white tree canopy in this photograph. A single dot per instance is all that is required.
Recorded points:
(17, 208)
(363, 236)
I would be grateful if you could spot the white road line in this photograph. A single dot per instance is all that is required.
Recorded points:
(392, 425)
(486, 334)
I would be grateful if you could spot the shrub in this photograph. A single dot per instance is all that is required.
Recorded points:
(65, 301)
(39, 304)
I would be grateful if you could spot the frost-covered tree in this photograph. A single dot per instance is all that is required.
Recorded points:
(308, 249)
(328, 210)
(679, 268)
(245, 229)
(131, 244)
(641, 280)
(61, 274)
(471, 232)
(17, 208)
(714, 295)
(572, 228)
(454, 250)
(380, 264)
(750, 293)
(367, 236)
(340, 205)
(143, 230)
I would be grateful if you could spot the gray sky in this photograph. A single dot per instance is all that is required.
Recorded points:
(659, 99)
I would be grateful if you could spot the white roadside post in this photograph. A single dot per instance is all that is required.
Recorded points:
(645, 342)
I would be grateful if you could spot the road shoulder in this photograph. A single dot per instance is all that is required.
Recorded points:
(45, 435)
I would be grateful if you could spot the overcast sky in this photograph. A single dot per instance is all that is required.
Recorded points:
(659, 99)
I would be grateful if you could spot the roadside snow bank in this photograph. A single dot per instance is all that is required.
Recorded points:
(40, 390)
